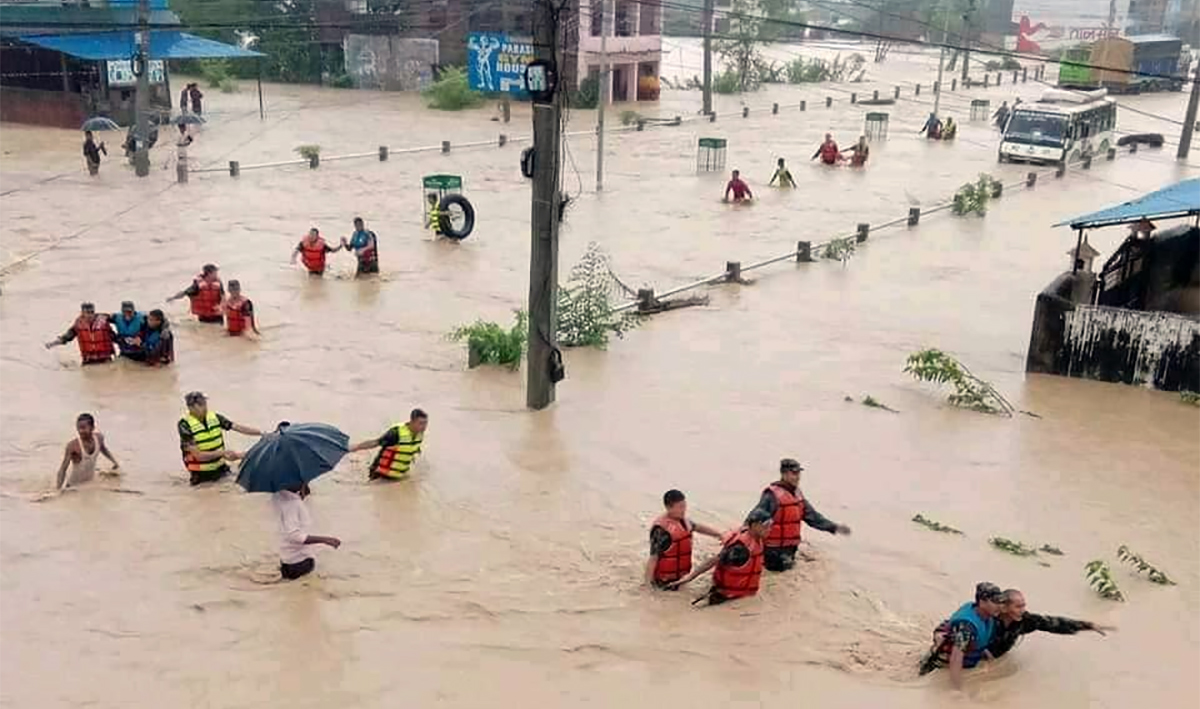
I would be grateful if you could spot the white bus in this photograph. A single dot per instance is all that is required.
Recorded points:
(1062, 125)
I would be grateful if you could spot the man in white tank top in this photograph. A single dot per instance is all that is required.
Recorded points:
(82, 453)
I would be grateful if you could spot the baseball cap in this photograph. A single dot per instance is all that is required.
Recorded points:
(790, 465)
(195, 397)
(987, 591)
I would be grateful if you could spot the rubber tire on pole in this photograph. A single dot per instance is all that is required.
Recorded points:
(446, 227)
(527, 163)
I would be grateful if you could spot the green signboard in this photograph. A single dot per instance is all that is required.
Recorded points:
(442, 182)
(712, 142)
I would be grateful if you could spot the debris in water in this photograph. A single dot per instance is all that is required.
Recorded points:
(1050, 549)
(1008, 545)
(1100, 578)
(1143, 566)
(935, 526)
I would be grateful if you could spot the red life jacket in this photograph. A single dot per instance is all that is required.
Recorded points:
(674, 563)
(207, 303)
(789, 514)
(740, 581)
(235, 319)
(829, 152)
(95, 339)
(313, 255)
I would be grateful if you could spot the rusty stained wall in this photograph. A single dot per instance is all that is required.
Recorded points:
(390, 63)
(1116, 345)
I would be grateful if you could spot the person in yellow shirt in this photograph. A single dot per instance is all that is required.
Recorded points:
(398, 447)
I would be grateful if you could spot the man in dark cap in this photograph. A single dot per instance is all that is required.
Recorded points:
(788, 509)
(202, 440)
(961, 641)
(739, 564)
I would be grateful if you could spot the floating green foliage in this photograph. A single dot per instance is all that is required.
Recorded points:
(308, 151)
(585, 308)
(451, 92)
(1008, 545)
(588, 93)
(970, 392)
(974, 196)
(1143, 566)
(1190, 397)
(839, 249)
(1100, 578)
(935, 526)
(1052, 550)
(874, 403)
(492, 344)
(342, 81)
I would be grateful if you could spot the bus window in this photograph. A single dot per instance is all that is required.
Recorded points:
(1032, 128)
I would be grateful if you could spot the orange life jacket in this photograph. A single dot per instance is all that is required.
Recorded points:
(235, 319)
(829, 152)
(789, 514)
(313, 254)
(207, 303)
(674, 563)
(95, 339)
(740, 581)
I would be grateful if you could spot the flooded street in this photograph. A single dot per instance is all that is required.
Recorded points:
(509, 568)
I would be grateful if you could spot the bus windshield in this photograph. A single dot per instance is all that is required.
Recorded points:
(1030, 128)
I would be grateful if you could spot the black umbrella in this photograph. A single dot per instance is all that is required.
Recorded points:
(291, 456)
(96, 123)
(189, 119)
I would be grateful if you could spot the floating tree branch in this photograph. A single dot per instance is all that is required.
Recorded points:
(839, 249)
(970, 392)
(1143, 566)
(1100, 578)
(935, 526)
(1048, 549)
(1008, 545)
(1189, 397)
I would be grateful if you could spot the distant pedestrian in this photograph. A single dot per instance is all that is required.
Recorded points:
(158, 342)
(295, 558)
(739, 188)
(783, 175)
(312, 251)
(196, 97)
(91, 152)
(205, 295)
(82, 453)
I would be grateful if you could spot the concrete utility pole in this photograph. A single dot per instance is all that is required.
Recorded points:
(141, 157)
(937, 95)
(1189, 120)
(707, 19)
(543, 256)
(966, 41)
(605, 90)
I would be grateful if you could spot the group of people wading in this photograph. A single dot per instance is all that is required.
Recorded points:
(829, 153)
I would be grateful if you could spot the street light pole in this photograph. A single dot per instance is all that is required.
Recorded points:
(605, 91)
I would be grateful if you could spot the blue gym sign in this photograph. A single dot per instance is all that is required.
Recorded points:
(496, 63)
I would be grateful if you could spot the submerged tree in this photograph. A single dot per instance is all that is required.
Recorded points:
(970, 392)
(586, 316)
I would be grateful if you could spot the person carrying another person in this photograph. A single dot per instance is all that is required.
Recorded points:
(950, 130)
(205, 295)
(365, 246)
(932, 128)
(1013, 623)
(158, 342)
(91, 152)
(783, 175)
(312, 251)
(962, 641)
(828, 151)
(94, 332)
(671, 542)
(739, 188)
(398, 447)
(785, 503)
(295, 558)
(202, 440)
(81, 454)
(129, 324)
(860, 152)
(739, 564)
(239, 311)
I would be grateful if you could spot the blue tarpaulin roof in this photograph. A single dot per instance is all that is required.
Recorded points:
(1181, 199)
(164, 44)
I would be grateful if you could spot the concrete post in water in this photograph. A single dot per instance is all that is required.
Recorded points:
(745, 111)
(445, 146)
(181, 172)
(1014, 77)
(997, 189)
(954, 84)
(1087, 162)
(1112, 153)
(641, 126)
(1031, 179)
(383, 153)
(917, 89)
(986, 81)
(775, 109)
(914, 215)
(505, 109)
(678, 121)
(803, 106)
(1133, 147)
(712, 117)
(1061, 169)
(804, 252)
(234, 168)
(733, 271)
(864, 230)
(828, 101)
(999, 76)
(646, 299)
(503, 140)
(853, 98)
(1024, 75)
(314, 161)
(875, 96)
(897, 92)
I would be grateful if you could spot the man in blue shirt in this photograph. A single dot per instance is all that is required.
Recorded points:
(365, 246)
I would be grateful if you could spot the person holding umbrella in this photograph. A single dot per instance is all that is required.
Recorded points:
(91, 152)
(283, 463)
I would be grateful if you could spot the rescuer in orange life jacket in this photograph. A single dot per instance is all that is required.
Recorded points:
(312, 251)
(95, 333)
(671, 542)
(788, 508)
(239, 311)
(739, 564)
(205, 294)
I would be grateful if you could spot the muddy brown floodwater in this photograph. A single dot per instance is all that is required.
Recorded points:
(507, 570)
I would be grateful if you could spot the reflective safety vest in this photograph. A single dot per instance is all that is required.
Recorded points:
(95, 339)
(674, 563)
(313, 254)
(789, 515)
(394, 461)
(740, 581)
(435, 219)
(207, 303)
(208, 436)
(235, 319)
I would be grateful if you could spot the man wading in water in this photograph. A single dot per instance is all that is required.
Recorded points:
(365, 245)
(1013, 623)
(739, 565)
(82, 453)
(671, 542)
(784, 502)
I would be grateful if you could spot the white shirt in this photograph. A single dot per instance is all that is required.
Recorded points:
(294, 523)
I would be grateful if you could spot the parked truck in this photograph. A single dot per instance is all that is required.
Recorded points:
(1127, 65)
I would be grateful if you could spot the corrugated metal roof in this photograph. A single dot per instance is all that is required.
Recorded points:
(164, 44)
(1146, 38)
(1181, 199)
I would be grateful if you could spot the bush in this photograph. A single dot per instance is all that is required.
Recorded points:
(308, 152)
(727, 82)
(488, 343)
(1010, 64)
(970, 392)
(229, 86)
(342, 81)
(451, 92)
(588, 94)
(628, 118)
(215, 72)
(585, 313)
(974, 196)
